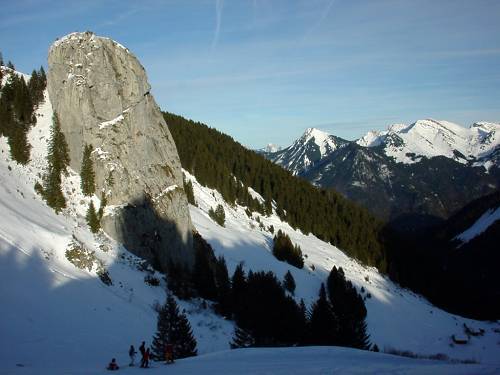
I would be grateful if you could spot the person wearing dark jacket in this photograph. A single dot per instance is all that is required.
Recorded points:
(131, 354)
(112, 365)
(142, 349)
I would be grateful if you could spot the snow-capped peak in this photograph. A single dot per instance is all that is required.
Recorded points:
(430, 138)
(323, 140)
(313, 133)
(270, 147)
(312, 146)
(371, 139)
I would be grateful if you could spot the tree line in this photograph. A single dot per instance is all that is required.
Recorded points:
(221, 163)
(18, 102)
(264, 309)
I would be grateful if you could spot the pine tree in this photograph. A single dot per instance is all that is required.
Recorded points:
(58, 160)
(203, 276)
(183, 339)
(289, 282)
(179, 280)
(87, 172)
(242, 338)
(350, 310)
(218, 215)
(16, 117)
(52, 190)
(19, 145)
(161, 337)
(173, 328)
(238, 290)
(265, 310)
(323, 324)
(43, 77)
(188, 189)
(6, 114)
(223, 288)
(285, 250)
(58, 156)
(360, 338)
(92, 218)
(219, 211)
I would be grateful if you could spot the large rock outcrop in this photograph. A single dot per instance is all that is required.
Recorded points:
(100, 92)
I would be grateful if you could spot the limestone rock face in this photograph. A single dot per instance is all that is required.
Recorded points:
(100, 92)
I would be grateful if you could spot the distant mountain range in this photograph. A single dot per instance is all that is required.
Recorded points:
(413, 174)
(270, 148)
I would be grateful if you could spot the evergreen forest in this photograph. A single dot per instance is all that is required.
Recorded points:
(18, 102)
(221, 163)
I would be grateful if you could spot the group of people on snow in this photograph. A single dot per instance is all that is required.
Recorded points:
(145, 356)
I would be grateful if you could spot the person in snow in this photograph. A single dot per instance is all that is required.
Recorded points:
(131, 354)
(112, 365)
(146, 358)
(169, 353)
(142, 349)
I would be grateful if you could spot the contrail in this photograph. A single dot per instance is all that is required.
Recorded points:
(218, 18)
(324, 14)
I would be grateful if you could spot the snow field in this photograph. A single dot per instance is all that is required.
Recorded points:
(59, 319)
(55, 315)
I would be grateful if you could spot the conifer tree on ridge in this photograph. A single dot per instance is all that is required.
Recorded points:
(87, 173)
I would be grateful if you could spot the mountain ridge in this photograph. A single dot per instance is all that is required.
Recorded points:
(427, 170)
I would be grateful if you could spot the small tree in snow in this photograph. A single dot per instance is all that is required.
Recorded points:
(242, 338)
(87, 173)
(218, 215)
(289, 282)
(58, 160)
(173, 328)
(92, 219)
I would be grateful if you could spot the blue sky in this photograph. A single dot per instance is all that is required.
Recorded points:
(262, 71)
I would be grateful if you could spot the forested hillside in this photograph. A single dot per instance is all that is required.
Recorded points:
(219, 162)
(18, 101)
(460, 276)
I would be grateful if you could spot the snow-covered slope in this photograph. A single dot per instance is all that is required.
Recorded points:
(430, 138)
(295, 361)
(481, 224)
(397, 317)
(59, 319)
(54, 315)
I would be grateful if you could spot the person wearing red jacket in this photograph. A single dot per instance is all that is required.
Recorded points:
(169, 353)
(146, 358)
(112, 365)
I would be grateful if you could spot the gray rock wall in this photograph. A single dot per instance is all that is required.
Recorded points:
(101, 95)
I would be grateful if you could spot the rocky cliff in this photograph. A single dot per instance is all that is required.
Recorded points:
(100, 92)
